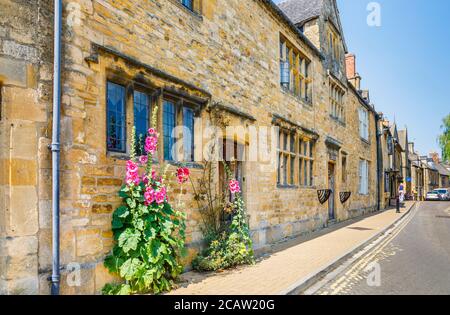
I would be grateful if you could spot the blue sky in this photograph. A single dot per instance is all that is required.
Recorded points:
(405, 62)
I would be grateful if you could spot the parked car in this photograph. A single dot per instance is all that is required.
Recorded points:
(444, 194)
(432, 196)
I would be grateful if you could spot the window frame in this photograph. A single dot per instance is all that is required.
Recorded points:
(180, 104)
(150, 105)
(286, 171)
(125, 115)
(300, 80)
(295, 165)
(364, 177)
(364, 124)
(336, 99)
(306, 161)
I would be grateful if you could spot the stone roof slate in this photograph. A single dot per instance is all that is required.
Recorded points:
(299, 11)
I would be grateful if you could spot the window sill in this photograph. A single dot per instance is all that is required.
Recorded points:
(190, 165)
(279, 186)
(118, 155)
(365, 141)
(337, 120)
(306, 102)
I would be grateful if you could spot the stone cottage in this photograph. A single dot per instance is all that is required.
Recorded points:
(258, 64)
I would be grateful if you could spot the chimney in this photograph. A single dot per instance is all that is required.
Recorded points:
(435, 157)
(352, 75)
(365, 95)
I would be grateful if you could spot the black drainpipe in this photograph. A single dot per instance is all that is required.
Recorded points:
(55, 146)
(379, 161)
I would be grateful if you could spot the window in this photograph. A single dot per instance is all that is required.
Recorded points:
(295, 71)
(188, 137)
(116, 119)
(188, 4)
(178, 113)
(306, 163)
(192, 5)
(337, 102)
(333, 47)
(295, 160)
(344, 168)
(141, 110)
(364, 124)
(286, 158)
(169, 124)
(363, 177)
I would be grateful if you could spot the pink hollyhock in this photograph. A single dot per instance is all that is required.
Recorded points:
(183, 174)
(160, 196)
(132, 167)
(152, 131)
(143, 160)
(234, 186)
(149, 196)
(132, 176)
(151, 144)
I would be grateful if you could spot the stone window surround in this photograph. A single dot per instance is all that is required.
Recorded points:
(300, 133)
(156, 97)
(300, 74)
(364, 125)
(333, 40)
(363, 161)
(180, 104)
(170, 85)
(336, 83)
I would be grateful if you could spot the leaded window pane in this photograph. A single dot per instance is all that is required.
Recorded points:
(116, 124)
(141, 110)
(169, 123)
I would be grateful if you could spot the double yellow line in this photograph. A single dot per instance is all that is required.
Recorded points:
(358, 268)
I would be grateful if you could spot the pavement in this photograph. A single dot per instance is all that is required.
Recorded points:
(414, 260)
(292, 267)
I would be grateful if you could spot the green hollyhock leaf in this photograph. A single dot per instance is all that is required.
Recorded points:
(116, 223)
(122, 212)
(130, 268)
(167, 209)
(129, 239)
(139, 224)
(113, 263)
(131, 203)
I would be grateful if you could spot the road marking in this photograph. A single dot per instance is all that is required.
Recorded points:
(355, 270)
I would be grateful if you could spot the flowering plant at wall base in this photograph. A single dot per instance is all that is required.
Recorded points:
(150, 234)
(233, 246)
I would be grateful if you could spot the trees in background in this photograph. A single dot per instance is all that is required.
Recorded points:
(444, 139)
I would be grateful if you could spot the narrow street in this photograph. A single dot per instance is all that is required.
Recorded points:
(413, 259)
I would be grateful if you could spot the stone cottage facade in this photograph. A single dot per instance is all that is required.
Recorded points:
(255, 63)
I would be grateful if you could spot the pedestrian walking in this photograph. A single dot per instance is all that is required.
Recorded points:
(401, 192)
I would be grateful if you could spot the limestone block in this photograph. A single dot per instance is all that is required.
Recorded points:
(24, 212)
(89, 242)
(15, 247)
(19, 51)
(23, 104)
(13, 72)
(21, 286)
(19, 267)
